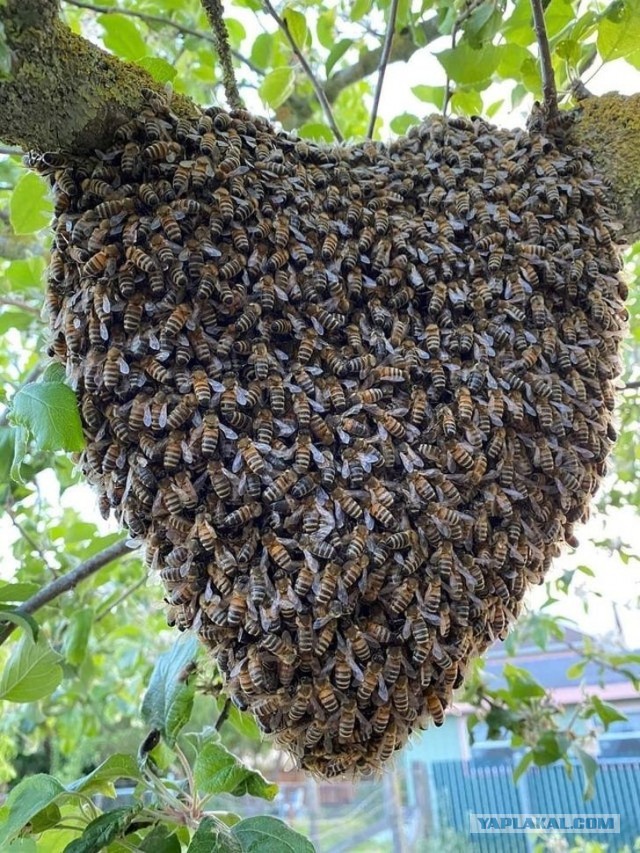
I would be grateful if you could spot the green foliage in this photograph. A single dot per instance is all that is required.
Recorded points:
(168, 702)
(32, 672)
(30, 208)
(217, 771)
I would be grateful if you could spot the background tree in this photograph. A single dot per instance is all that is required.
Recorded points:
(90, 624)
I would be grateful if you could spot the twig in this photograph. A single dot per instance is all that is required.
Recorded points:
(223, 714)
(215, 14)
(631, 386)
(18, 303)
(66, 582)
(11, 149)
(384, 61)
(129, 591)
(30, 541)
(549, 93)
(166, 22)
(317, 88)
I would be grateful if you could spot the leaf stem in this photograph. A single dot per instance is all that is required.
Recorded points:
(317, 88)
(384, 61)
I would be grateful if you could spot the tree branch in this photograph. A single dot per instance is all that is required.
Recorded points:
(66, 582)
(384, 59)
(84, 92)
(549, 92)
(164, 22)
(317, 88)
(215, 14)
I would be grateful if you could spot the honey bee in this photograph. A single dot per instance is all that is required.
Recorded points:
(243, 515)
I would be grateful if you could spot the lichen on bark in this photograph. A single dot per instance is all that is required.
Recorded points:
(609, 126)
(64, 93)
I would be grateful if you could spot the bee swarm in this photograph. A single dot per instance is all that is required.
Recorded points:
(353, 399)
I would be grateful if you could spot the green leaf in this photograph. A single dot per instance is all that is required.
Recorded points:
(23, 620)
(45, 819)
(262, 50)
(20, 320)
(159, 68)
(277, 86)
(122, 36)
(31, 672)
(17, 591)
(30, 208)
(337, 52)
(77, 636)
(25, 273)
(49, 411)
(359, 9)
(401, 124)
(619, 32)
(317, 131)
(269, 835)
(168, 702)
(589, 768)
(211, 836)
(297, 24)
(522, 766)
(100, 780)
(325, 28)
(607, 713)
(576, 670)
(217, 771)
(430, 94)
(244, 723)
(467, 66)
(24, 802)
(466, 102)
(54, 372)
(511, 58)
(103, 830)
(161, 840)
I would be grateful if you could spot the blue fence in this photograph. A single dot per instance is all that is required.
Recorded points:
(458, 788)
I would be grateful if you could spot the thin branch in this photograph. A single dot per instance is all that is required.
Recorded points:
(66, 582)
(18, 303)
(549, 93)
(11, 150)
(226, 708)
(317, 88)
(30, 541)
(215, 14)
(384, 61)
(165, 22)
(631, 385)
(128, 591)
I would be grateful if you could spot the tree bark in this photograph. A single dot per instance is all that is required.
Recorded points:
(65, 94)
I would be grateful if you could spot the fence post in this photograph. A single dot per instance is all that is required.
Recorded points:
(313, 806)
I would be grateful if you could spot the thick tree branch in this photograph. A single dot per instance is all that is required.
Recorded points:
(64, 93)
(66, 582)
